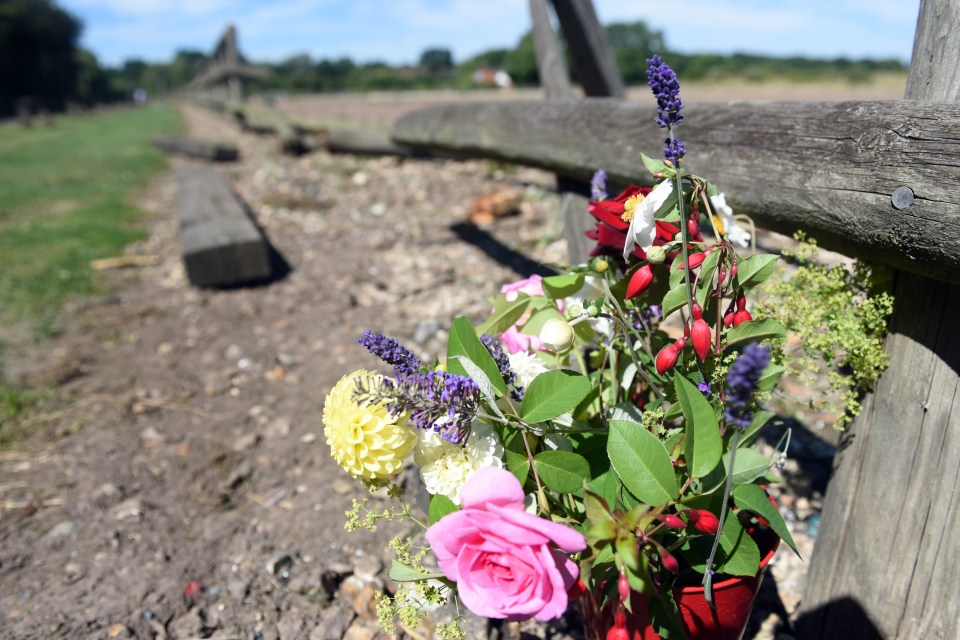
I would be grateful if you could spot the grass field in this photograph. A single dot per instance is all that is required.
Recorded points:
(67, 196)
(65, 199)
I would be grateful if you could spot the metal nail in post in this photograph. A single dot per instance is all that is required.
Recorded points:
(902, 197)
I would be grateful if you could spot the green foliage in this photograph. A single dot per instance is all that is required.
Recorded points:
(833, 316)
(65, 201)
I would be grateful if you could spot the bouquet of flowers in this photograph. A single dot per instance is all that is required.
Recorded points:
(592, 440)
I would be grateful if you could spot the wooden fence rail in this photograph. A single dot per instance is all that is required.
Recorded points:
(829, 168)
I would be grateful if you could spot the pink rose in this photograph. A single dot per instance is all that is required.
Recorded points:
(505, 561)
(513, 340)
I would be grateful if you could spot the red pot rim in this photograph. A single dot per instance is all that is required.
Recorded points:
(769, 540)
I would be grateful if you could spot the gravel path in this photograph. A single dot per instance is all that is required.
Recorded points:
(187, 443)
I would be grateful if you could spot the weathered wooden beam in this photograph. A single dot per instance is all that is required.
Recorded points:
(372, 143)
(593, 63)
(886, 558)
(221, 245)
(215, 151)
(550, 65)
(829, 168)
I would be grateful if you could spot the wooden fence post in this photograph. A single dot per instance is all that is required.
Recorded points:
(887, 554)
(597, 71)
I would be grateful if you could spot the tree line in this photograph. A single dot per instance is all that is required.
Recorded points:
(42, 65)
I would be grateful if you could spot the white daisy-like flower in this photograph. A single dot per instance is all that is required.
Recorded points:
(640, 211)
(445, 466)
(727, 223)
(527, 366)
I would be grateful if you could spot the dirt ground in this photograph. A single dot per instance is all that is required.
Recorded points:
(186, 444)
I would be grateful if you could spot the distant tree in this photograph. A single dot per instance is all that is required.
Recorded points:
(521, 62)
(632, 44)
(437, 60)
(38, 46)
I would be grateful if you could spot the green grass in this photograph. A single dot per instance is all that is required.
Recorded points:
(66, 199)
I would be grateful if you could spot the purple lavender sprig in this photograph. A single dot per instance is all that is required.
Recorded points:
(666, 89)
(391, 352)
(742, 383)
(598, 185)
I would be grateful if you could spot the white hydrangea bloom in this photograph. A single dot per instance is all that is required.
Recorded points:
(727, 223)
(445, 466)
(527, 366)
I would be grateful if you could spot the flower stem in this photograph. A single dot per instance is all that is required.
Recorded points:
(708, 573)
(683, 225)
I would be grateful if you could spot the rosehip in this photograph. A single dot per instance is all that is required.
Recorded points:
(639, 281)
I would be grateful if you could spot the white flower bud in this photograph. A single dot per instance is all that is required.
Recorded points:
(556, 334)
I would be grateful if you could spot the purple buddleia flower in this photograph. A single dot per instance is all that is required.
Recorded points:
(666, 89)
(598, 185)
(390, 351)
(438, 400)
(742, 383)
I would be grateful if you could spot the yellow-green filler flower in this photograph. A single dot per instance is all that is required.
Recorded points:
(365, 438)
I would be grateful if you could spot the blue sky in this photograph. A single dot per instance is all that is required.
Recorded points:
(397, 31)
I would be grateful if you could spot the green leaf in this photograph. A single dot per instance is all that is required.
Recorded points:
(751, 497)
(562, 471)
(605, 485)
(749, 465)
(665, 618)
(537, 319)
(440, 506)
(505, 315)
(760, 418)
(770, 377)
(755, 330)
(704, 444)
(675, 298)
(657, 166)
(707, 269)
(755, 269)
(403, 573)
(515, 456)
(553, 393)
(563, 285)
(642, 462)
(464, 342)
(741, 552)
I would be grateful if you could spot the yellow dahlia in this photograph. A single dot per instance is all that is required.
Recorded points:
(365, 439)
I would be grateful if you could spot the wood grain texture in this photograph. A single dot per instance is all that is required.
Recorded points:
(828, 168)
(888, 539)
(887, 552)
(934, 72)
(221, 245)
(594, 66)
(550, 63)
